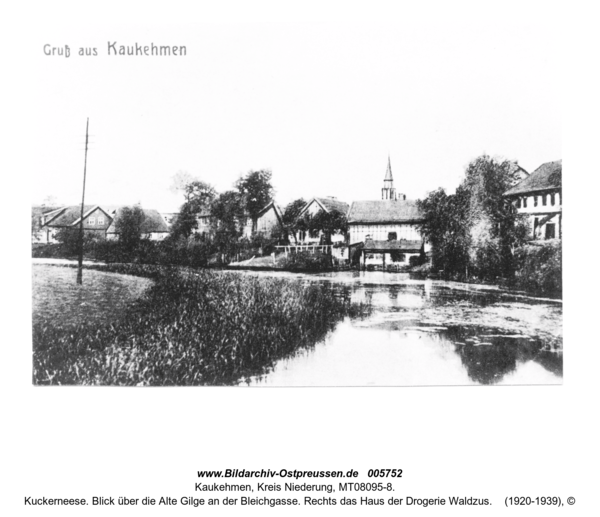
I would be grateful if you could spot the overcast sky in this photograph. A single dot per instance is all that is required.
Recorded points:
(319, 104)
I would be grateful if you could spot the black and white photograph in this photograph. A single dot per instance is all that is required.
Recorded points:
(278, 241)
(309, 205)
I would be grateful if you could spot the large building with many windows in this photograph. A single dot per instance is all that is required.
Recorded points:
(387, 230)
(539, 197)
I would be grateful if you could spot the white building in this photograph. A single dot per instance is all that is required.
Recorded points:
(387, 227)
(329, 204)
(539, 197)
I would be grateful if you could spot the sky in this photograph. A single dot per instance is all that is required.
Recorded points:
(321, 103)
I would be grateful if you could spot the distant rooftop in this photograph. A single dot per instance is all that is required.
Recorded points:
(386, 211)
(547, 176)
(153, 221)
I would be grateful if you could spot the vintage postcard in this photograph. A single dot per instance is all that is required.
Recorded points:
(312, 250)
(297, 205)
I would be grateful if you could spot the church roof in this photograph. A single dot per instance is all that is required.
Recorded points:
(547, 176)
(386, 211)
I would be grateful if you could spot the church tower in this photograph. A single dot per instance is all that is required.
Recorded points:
(388, 191)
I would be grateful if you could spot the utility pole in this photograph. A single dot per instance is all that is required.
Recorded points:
(80, 264)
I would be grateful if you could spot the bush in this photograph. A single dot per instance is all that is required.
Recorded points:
(68, 245)
(539, 267)
(421, 271)
(306, 261)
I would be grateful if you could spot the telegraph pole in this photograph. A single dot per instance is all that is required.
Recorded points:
(80, 264)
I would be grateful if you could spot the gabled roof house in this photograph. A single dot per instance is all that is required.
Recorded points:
(330, 205)
(269, 220)
(154, 226)
(539, 197)
(95, 219)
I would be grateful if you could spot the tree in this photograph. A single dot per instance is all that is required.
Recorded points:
(36, 225)
(199, 193)
(329, 223)
(68, 237)
(228, 218)
(445, 227)
(493, 222)
(129, 226)
(475, 230)
(180, 180)
(256, 192)
(291, 216)
(198, 198)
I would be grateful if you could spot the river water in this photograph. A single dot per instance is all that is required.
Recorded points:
(427, 333)
(419, 333)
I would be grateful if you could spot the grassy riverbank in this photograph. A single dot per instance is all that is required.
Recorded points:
(190, 328)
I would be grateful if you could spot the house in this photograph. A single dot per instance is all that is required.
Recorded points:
(154, 226)
(38, 213)
(96, 221)
(539, 197)
(329, 204)
(387, 231)
(518, 172)
(269, 221)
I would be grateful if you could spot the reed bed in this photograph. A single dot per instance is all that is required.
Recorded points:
(192, 327)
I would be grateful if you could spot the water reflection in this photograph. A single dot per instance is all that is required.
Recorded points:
(428, 333)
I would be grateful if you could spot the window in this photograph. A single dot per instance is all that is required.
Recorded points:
(91, 221)
(524, 202)
(535, 200)
(392, 236)
(100, 221)
(552, 200)
(550, 231)
(519, 203)
(544, 200)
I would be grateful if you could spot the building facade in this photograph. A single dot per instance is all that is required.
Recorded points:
(387, 231)
(96, 221)
(329, 204)
(539, 198)
(270, 220)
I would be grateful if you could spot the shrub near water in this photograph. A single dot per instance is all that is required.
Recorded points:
(191, 328)
(539, 267)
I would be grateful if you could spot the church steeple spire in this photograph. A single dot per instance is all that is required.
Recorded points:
(388, 172)
(388, 191)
